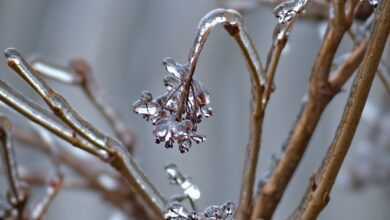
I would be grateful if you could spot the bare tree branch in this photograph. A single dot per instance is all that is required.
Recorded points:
(122, 198)
(119, 157)
(322, 182)
(320, 94)
(80, 74)
(40, 199)
(44, 118)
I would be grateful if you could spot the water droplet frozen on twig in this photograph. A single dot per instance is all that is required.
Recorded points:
(286, 13)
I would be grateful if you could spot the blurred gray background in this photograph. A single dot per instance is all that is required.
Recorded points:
(126, 40)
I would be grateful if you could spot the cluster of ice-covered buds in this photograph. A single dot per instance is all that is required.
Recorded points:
(163, 111)
(176, 211)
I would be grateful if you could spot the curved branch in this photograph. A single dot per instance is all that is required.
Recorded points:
(233, 24)
(320, 93)
(41, 116)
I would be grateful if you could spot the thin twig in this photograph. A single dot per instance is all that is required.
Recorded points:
(362, 32)
(322, 182)
(346, 70)
(80, 74)
(94, 93)
(39, 202)
(121, 198)
(17, 195)
(320, 94)
(44, 118)
(119, 157)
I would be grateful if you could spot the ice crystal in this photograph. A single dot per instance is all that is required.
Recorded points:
(177, 178)
(286, 13)
(169, 127)
(216, 212)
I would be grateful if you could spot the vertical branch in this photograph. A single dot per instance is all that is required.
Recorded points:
(122, 199)
(16, 195)
(321, 93)
(318, 192)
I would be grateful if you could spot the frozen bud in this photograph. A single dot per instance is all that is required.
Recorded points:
(169, 144)
(145, 106)
(176, 211)
(195, 216)
(163, 130)
(171, 82)
(185, 146)
(207, 112)
(176, 69)
(198, 138)
(229, 209)
(146, 96)
(214, 212)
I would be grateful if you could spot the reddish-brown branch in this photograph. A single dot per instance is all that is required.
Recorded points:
(320, 94)
(322, 182)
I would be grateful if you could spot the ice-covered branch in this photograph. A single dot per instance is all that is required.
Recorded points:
(117, 155)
